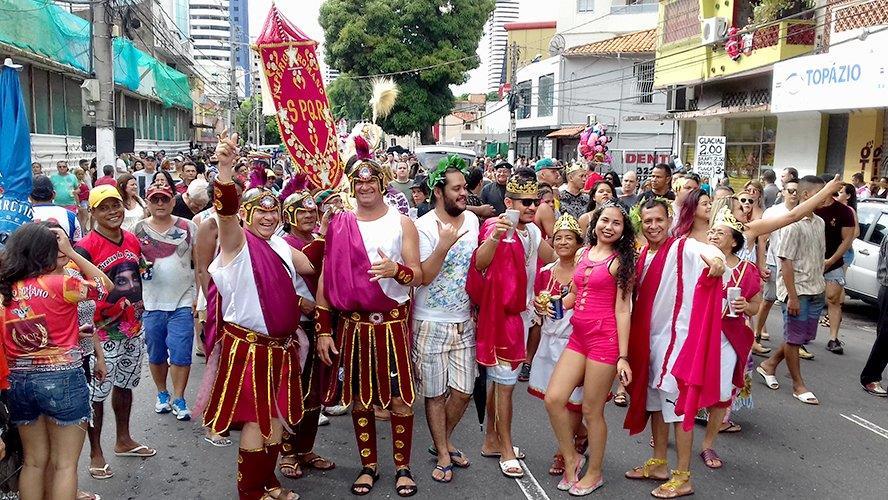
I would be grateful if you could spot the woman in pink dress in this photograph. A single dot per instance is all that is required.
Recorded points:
(601, 296)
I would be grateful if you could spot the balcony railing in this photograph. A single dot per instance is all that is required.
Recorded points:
(794, 32)
(634, 8)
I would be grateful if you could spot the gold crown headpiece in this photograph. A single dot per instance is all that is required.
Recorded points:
(567, 222)
(725, 217)
(518, 187)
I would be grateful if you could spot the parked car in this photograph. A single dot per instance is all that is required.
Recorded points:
(860, 277)
(429, 155)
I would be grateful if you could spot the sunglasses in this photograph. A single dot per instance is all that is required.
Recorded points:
(745, 201)
(527, 201)
(792, 191)
(159, 199)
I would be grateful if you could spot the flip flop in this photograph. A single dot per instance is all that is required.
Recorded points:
(731, 428)
(135, 452)
(770, 380)
(87, 495)
(445, 469)
(453, 454)
(518, 454)
(508, 468)
(222, 442)
(807, 397)
(101, 472)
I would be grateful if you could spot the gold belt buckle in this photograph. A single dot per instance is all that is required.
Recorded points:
(252, 337)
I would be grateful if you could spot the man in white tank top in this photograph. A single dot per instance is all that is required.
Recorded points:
(259, 346)
(371, 260)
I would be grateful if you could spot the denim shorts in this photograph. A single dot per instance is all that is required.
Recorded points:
(62, 396)
(503, 374)
(836, 276)
(169, 336)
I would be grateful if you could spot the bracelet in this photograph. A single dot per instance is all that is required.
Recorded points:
(624, 358)
(225, 198)
(323, 322)
(404, 275)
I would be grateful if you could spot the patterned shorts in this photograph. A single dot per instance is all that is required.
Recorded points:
(444, 356)
(124, 360)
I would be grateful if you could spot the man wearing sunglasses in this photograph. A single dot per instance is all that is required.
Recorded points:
(505, 293)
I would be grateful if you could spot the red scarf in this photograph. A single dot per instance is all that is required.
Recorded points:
(500, 293)
(640, 333)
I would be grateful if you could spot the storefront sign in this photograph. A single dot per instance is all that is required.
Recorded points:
(709, 157)
(831, 81)
(643, 161)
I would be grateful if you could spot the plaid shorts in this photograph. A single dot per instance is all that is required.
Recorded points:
(124, 361)
(444, 356)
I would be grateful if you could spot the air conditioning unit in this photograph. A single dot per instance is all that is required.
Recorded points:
(676, 99)
(713, 30)
(591, 120)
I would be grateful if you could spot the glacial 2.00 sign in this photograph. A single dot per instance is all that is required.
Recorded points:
(709, 160)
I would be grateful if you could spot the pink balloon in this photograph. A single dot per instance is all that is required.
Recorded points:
(603, 140)
(599, 148)
(592, 141)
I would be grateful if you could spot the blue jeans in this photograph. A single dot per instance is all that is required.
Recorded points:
(169, 335)
(62, 396)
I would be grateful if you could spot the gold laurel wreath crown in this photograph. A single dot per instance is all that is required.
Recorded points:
(567, 222)
(725, 217)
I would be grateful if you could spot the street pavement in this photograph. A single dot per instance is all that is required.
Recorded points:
(785, 450)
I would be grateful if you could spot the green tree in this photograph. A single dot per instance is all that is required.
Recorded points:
(367, 37)
(245, 122)
(493, 95)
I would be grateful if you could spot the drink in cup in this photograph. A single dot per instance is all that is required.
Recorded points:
(733, 294)
(512, 215)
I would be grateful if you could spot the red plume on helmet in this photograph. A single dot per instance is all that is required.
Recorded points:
(297, 183)
(362, 148)
(258, 177)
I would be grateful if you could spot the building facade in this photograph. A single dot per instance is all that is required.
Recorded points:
(587, 21)
(506, 11)
(240, 17)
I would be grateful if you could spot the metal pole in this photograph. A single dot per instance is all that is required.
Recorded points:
(232, 73)
(103, 66)
(513, 75)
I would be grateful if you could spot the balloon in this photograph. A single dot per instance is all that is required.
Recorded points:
(606, 149)
(591, 142)
(603, 140)
(584, 135)
(599, 148)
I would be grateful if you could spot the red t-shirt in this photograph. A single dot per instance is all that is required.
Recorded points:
(41, 327)
(106, 180)
(83, 192)
(119, 316)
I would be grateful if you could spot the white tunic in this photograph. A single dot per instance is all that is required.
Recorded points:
(530, 238)
(664, 304)
(385, 234)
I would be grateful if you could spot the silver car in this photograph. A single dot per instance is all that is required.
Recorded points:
(860, 277)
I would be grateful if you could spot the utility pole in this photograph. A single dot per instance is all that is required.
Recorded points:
(513, 98)
(232, 73)
(103, 67)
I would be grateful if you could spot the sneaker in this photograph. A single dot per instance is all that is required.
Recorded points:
(163, 403)
(835, 346)
(180, 410)
(804, 354)
(876, 389)
(335, 411)
(524, 376)
(323, 420)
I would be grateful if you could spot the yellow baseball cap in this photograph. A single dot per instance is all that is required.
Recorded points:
(101, 193)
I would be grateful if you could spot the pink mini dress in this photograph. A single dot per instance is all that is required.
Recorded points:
(594, 320)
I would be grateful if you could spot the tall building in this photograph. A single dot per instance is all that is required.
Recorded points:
(211, 32)
(506, 11)
(241, 20)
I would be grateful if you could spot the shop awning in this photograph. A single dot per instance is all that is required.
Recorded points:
(567, 132)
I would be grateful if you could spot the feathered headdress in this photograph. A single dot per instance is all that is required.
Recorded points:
(362, 148)
(258, 178)
(385, 92)
(296, 184)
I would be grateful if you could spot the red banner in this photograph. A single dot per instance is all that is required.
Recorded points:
(303, 113)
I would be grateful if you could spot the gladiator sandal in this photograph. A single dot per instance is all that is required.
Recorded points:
(272, 451)
(251, 474)
(402, 438)
(676, 486)
(644, 472)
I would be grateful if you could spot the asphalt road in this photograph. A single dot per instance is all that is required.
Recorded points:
(785, 450)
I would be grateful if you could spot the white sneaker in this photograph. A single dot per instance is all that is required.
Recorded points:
(162, 403)
(323, 420)
(335, 411)
(180, 410)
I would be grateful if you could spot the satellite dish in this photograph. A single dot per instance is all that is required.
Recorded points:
(556, 45)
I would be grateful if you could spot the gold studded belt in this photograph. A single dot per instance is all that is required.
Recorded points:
(254, 337)
(378, 318)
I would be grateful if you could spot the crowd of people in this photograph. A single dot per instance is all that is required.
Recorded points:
(410, 282)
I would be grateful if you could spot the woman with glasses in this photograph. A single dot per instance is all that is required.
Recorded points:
(755, 189)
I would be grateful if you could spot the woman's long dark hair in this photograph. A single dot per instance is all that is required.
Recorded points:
(31, 251)
(169, 179)
(121, 188)
(625, 246)
(592, 206)
(687, 212)
(851, 191)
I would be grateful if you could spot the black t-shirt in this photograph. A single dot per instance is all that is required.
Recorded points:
(835, 217)
(181, 209)
(647, 195)
(494, 195)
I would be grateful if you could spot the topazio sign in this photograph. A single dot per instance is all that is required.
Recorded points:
(831, 81)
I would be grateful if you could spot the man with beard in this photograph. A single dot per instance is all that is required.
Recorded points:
(660, 323)
(118, 325)
(300, 214)
(370, 263)
(573, 199)
(444, 343)
(504, 294)
(257, 275)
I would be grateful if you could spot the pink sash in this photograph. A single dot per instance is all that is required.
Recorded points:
(278, 301)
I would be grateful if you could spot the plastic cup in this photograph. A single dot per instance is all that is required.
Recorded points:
(512, 215)
(733, 294)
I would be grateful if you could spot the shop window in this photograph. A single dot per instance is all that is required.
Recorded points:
(644, 81)
(41, 102)
(750, 147)
(73, 107)
(585, 5)
(546, 95)
(688, 141)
